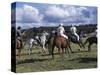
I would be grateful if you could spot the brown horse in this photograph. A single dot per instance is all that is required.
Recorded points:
(61, 43)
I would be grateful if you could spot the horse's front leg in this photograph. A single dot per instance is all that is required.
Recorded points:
(44, 49)
(79, 46)
(52, 52)
(62, 53)
(67, 51)
(81, 43)
(69, 46)
(19, 52)
(89, 47)
(30, 49)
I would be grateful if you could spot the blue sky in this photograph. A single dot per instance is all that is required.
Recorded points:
(39, 14)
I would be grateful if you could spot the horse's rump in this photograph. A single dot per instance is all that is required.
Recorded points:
(18, 44)
(61, 41)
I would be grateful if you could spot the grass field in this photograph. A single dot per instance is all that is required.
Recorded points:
(38, 62)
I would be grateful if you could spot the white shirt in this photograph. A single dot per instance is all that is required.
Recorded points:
(61, 29)
(73, 29)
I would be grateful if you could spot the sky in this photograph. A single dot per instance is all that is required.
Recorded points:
(40, 14)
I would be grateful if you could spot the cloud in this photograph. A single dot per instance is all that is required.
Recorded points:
(87, 15)
(55, 14)
(55, 11)
(28, 14)
(71, 14)
(67, 14)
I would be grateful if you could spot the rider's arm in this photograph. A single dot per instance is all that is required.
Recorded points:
(64, 30)
(18, 33)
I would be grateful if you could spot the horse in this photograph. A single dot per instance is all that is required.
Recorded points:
(42, 40)
(73, 39)
(61, 43)
(90, 40)
(32, 42)
(49, 43)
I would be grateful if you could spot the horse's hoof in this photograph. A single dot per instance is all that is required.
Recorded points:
(72, 52)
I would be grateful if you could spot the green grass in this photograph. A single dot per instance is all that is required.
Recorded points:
(38, 62)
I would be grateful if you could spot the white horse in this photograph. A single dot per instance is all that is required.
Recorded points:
(43, 39)
(38, 41)
(31, 43)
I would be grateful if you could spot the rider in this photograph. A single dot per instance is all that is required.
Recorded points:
(61, 31)
(73, 31)
(19, 34)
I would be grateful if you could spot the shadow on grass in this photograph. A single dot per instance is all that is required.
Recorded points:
(80, 51)
(50, 54)
(24, 54)
(85, 60)
(31, 61)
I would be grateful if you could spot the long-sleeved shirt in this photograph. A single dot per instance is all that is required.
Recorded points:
(73, 29)
(61, 29)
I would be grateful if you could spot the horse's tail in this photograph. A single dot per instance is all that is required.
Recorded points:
(69, 46)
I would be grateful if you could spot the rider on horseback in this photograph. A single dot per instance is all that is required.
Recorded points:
(19, 35)
(61, 31)
(73, 31)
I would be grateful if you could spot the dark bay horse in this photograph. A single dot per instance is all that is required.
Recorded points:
(90, 40)
(73, 39)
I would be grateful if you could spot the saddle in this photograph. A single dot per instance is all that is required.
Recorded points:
(73, 37)
(61, 37)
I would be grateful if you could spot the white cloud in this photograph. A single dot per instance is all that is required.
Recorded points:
(65, 13)
(57, 12)
(28, 14)
(87, 19)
